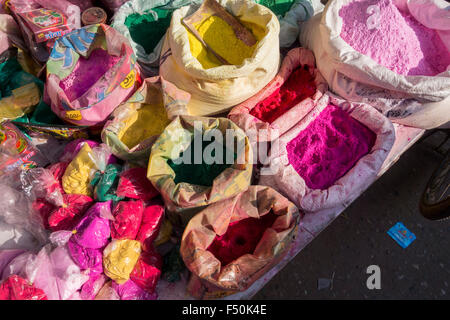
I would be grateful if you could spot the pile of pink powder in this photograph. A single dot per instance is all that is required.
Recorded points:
(329, 147)
(87, 72)
(398, 41)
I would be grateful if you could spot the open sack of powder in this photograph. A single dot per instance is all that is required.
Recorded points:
(331, 156)
(145, 23)
(215, 87)
(284, 101)
(232, 243)
(136, 124)
(393, 55)
(180, 171)
(89, 73)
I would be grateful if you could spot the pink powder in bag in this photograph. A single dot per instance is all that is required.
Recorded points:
(329, 147)
(395, 39)
(87, 72)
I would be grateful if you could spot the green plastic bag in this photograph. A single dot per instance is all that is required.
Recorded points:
(106, 182)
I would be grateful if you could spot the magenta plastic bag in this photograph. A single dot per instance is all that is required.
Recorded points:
(86, 258)
(91, 288)
(55, 273)
(131, 291)
(93, 231)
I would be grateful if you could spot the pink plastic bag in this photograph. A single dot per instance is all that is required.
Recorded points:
(259, 130)
(128, 217)
(281, 175)
(133, 183)
(91, 288)
(151, 223)
(93, 231)
(131, 291)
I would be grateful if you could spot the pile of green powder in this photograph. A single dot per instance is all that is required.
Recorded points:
(147, 31)
(199, 174)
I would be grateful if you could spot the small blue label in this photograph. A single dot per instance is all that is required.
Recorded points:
(401, 235)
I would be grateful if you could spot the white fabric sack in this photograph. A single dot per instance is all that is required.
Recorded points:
(419, 101)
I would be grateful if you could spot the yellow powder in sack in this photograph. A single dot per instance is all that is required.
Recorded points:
(76, 178)
(220, 36)
(149, 120)
(119, 259)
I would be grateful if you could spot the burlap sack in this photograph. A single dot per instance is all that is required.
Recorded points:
(183, 200)
(217, 89)
(218, 280)
(259, 130)
(280, 175)
(153, 91)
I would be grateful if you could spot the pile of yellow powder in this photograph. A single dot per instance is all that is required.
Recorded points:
(149, 120)
(220, 36)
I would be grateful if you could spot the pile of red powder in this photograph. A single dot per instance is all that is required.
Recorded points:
(299, 86)
(396, 40)
(329, 147)
(241, 238)
(87, 72)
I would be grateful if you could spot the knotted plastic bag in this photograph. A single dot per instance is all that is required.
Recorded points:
(70, 213)
(119, 259)
(105, 183)
(127, 219)
(134, 184)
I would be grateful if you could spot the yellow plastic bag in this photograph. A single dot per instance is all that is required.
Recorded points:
(119, 259)
(78, 174)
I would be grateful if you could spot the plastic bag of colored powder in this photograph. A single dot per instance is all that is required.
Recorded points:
(105, 183)
(17, 265)
(147, 271)
(68, 215)
(17, 288)
(89, 73)
(144, 24)
(119, 259)
(390, 56)
(131, 291)
(152, 217)
(127, 219)
(6, 256)
(92, 287)
(136, 124)
(331, 155)
(284, 101)
(93, 231)
(86, 258)
(254, 230)
(133, 183)
(183, 196)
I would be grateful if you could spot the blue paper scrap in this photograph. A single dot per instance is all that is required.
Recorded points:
(401, 235)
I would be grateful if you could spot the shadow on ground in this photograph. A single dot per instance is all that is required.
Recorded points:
(358, 239)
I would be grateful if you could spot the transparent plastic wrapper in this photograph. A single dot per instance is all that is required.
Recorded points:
(158, 14)
(127, 219)
(6, 256)
(41, 21)
(253, 251)
(131, 291)
(133, 183)
(412, 100)
(183, 196)
(17, 265)
(55, 273)
(93, 231)
(152, 218)
(217, 89)
(136, 124)
(17, 288)
(119, 259)
(10, 34)
(73, 147)
(260, 130)
(85, 102)
(282, 176)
